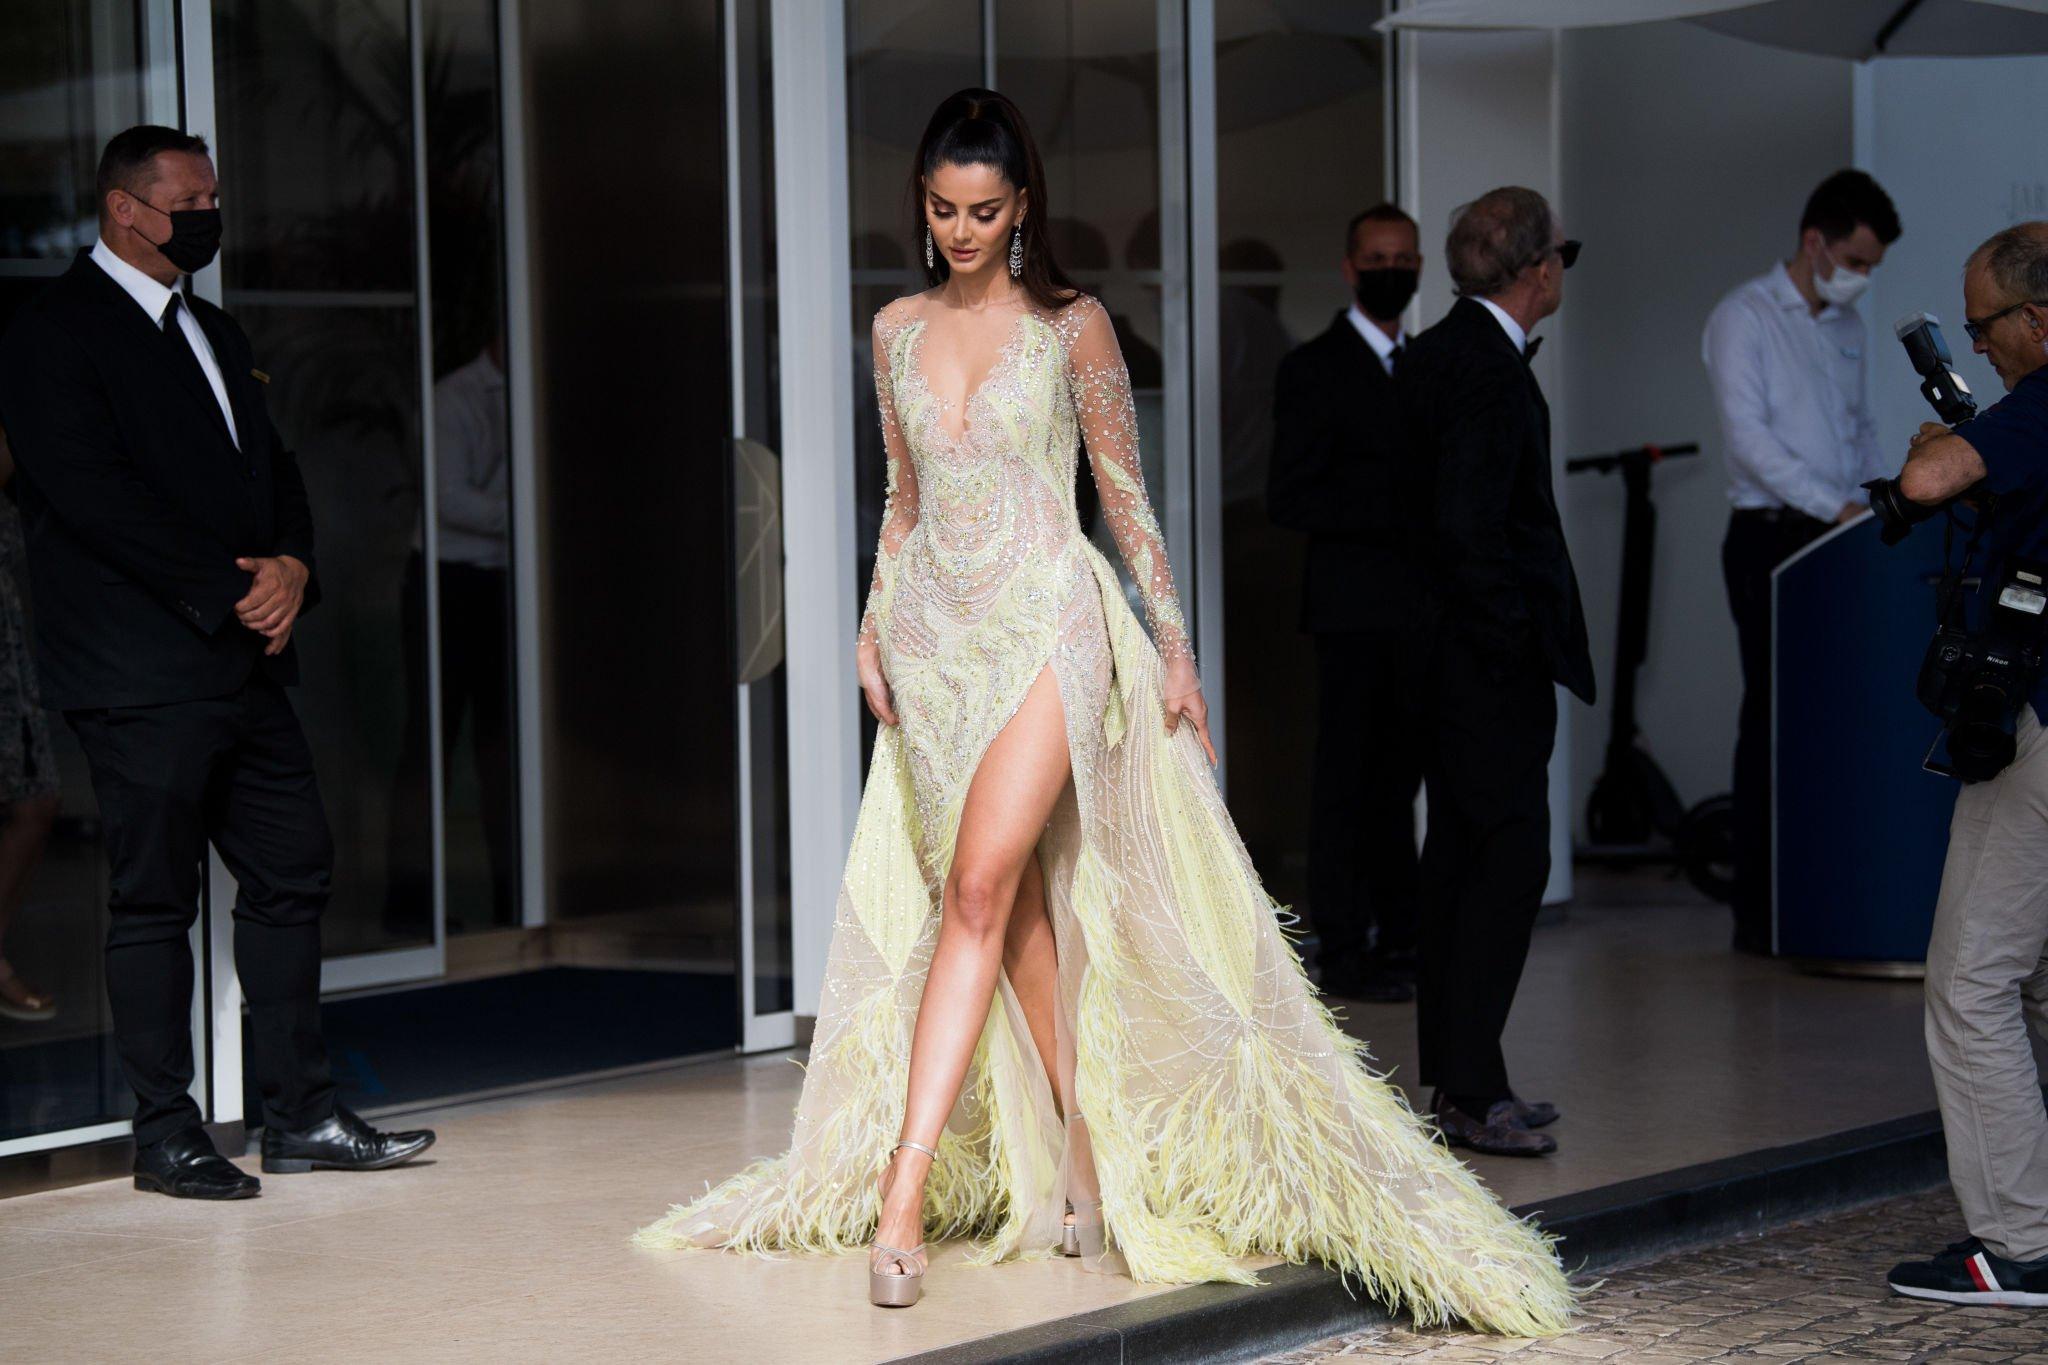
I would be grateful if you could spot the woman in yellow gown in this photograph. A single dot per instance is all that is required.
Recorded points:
(1059, 1012)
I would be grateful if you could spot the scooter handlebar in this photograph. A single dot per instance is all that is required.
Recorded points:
(1602, 464)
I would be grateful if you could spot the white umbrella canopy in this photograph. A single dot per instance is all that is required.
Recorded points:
(1856, 29)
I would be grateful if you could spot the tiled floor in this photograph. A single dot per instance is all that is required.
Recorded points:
(512, 1242)
(1809, 1293)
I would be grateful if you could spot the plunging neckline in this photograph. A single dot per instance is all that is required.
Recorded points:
(941, 406)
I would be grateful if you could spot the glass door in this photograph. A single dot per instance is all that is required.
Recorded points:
(321, 264)
(766, 967)
(72, 74)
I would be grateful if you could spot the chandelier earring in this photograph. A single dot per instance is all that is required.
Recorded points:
(928, 264)
(1017, 249)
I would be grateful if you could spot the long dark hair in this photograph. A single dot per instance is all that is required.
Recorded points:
(983, 128)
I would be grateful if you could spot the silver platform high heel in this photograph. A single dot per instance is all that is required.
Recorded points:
(905, 1286)
(1081, 1234)
(1085, 1235)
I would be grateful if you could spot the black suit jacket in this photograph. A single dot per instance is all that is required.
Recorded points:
(1484, 506)
(136, 502)
(1338, 446)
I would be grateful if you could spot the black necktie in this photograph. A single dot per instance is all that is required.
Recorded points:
(187, 360)
(1394, 358)
(1529, 351)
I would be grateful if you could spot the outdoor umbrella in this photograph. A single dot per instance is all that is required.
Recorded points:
(1857, 29)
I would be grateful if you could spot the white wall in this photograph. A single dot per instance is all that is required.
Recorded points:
(1687, 157)
(1939, 135)
(1477, 111)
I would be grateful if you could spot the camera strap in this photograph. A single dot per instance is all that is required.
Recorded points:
(1948, 598)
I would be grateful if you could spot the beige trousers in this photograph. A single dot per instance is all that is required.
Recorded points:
(1987, 979)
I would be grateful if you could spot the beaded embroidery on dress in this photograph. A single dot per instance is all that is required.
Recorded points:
(1214, 1102)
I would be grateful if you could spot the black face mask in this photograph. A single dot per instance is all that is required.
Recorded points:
(195, 238)
(1382, 294)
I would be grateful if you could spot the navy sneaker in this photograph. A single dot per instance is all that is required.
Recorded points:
(1967, 1273)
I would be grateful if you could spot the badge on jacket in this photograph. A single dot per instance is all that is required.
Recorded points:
(259, 376)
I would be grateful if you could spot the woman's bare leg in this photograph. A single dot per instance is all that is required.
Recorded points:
(1033, 966)
(1008, 803)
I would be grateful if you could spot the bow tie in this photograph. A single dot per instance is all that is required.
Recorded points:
(1529, 351)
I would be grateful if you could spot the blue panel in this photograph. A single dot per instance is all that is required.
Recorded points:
(1861, 828)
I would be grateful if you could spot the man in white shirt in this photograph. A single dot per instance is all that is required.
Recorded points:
(473, 508)
(1784, 352)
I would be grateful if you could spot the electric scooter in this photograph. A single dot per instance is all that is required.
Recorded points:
(1634, 815)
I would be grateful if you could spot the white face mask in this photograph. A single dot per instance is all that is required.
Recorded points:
(1843, 287)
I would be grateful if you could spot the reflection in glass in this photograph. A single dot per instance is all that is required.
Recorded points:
(757, 519)
(72, 74)
(633, 456)
(1299, 143)
(318, 266)
(472, 478)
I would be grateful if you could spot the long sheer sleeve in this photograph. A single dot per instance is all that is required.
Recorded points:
(899, 510)
(1109, 429)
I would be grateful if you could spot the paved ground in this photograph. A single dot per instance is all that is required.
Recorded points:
(1812, 1292)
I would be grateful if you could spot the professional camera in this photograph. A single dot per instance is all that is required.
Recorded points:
(1940, 385)
(1976, 681)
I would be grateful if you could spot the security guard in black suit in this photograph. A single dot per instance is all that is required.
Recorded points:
(1337, 448)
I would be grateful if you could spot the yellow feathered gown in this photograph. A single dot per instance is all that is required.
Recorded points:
(1224, 1112)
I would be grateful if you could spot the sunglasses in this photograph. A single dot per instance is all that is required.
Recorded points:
(1567, 252)
(1976, 328)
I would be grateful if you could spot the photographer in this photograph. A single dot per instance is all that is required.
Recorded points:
(1986, 972)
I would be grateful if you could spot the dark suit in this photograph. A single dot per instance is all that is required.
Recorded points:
(136, 502)
(1506, 625)
(1338, 447)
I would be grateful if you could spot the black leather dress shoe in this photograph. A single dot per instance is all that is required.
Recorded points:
(1533, 1113)
(185, 1166)
(342, 1143)
(1500, 1133)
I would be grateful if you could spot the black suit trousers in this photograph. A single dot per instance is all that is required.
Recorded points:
(234, 771)
(1755, 546)
(1486, 857)
(1363, 872)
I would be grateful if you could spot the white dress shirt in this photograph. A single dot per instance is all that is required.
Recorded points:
(474, 496)
(1508, 324)
(1382, 345)
(153, 298)
(1790, 388)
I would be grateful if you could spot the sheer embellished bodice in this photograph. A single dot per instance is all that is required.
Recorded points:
(1200, 1086)
(977, 489)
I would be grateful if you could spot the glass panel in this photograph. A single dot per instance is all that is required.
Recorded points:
(1087, 77)
(71, 76)
(901, 60)
(634, 451)
(757, 522)
(472, 474)
(1299, 150)
(318, 266)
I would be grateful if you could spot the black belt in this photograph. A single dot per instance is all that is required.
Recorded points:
(1776, 516)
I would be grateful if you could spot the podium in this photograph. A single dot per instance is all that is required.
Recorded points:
(1860, 828)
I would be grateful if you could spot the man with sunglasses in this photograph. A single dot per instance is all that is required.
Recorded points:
(1987, 959)
(1504, 626)
(1784, 353)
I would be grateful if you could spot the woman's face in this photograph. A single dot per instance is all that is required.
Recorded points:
(970, 210)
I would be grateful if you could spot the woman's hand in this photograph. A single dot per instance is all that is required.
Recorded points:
(874, 686)
(1184, 698)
